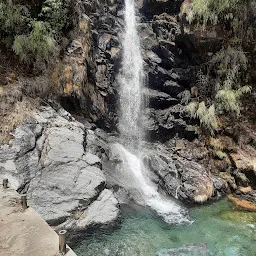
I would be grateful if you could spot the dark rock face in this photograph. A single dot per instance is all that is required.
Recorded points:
(158, 100)
(149, 8)
(88, 72)
(168, 73)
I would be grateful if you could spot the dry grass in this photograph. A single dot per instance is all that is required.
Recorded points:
(216, 144)
(38, 87)
(13, 111)
(18, 100)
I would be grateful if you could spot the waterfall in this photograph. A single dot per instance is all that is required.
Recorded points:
(131, 80)
(135, 175)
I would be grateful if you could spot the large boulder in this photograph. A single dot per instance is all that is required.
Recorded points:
(103, 213)
(48, 160)
(181, 178)
(197, 183)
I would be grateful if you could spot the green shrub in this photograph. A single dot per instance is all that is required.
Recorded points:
(12, 20)
(55, 13)
(37, 46)
(228, 100)
(224, 79)
(33, 39)
(211, 11)
(206, 116)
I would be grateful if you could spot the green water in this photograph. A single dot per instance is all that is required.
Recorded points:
(226, 232)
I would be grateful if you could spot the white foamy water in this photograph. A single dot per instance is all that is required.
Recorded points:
(131, 79)
(131, 83)
(170, 211)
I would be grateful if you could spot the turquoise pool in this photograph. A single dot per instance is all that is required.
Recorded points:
(225, 231)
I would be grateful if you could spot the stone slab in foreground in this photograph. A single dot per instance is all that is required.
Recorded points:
(24, 233)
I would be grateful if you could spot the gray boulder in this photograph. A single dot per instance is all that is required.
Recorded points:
(183, 179)
(102, 213)
(48, 159)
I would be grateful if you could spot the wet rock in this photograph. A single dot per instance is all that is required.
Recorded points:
(221, 186)
(197, 183)
(152, 57)
(169, 55)
(148, 38)
(163, 124)
(180, 178)
(103, 213)
(158, 100)
(150, 123)
(243, 204)
(172, 88)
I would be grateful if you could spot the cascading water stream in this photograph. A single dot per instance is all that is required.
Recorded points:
(131, 82)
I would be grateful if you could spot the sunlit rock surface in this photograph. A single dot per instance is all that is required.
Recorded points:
(48, 160)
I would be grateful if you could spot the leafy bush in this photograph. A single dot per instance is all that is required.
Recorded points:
(211, 11)
(12, 20)
(37, 46)
(223, 79)
(55, 12)
(32, 38)
(206, 116)
(229, 99)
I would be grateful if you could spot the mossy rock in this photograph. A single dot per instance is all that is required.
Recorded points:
(221, 155)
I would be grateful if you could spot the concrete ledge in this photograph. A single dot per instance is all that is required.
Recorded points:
(25, 233)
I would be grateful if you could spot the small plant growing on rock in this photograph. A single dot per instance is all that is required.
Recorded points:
(220, 155)
(206, 116)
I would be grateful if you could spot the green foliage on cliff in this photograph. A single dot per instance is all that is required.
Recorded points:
(37, 46)
(211, 11)
(55, 12)
(207, 116)
(221, 88)
(12, 20)
(224, 79)
(32, 29)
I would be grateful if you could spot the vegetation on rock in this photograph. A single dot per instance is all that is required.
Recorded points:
(224, 79)
(31, 30)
